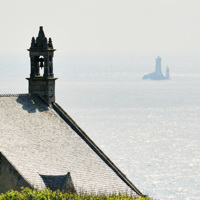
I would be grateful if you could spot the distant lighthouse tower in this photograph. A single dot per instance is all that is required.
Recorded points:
(167, 73)
(41, 57)
(158, 65)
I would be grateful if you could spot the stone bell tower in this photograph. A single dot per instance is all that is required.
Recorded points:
(41, 56)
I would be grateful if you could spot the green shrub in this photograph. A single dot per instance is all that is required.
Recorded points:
(46, 194)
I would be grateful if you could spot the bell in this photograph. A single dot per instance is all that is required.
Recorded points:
(41, 60)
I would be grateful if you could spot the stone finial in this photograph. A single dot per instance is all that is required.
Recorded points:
(33, 42)
(41, 33)
(50, 45)
(41, 40)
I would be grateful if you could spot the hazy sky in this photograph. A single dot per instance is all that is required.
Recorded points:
(135, 26)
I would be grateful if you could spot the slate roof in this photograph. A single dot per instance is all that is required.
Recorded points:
(46, 146)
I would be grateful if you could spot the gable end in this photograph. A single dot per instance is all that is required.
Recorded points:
(10, 178)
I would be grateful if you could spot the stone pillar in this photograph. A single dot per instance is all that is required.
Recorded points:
(32, 66)
(37, 69)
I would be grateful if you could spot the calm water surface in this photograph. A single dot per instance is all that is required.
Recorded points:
(150, 129)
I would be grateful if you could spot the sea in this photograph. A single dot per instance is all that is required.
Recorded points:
(149, 129)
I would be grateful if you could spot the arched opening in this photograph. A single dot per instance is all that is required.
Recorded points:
(41, 65)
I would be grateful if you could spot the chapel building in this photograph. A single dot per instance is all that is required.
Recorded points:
(41, 146)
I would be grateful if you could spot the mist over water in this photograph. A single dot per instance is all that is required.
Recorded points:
(149, 129)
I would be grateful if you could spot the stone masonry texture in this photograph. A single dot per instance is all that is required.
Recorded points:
(38, 142)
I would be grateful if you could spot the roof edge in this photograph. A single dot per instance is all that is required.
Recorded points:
(13, 95)
(94, 147)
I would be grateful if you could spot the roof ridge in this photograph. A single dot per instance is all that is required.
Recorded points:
(13, 95)
(94, 147)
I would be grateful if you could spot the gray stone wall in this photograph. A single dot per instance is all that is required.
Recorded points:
(45, 87)
(9, 176)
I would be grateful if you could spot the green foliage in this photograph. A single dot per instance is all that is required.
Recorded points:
(46, 194)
